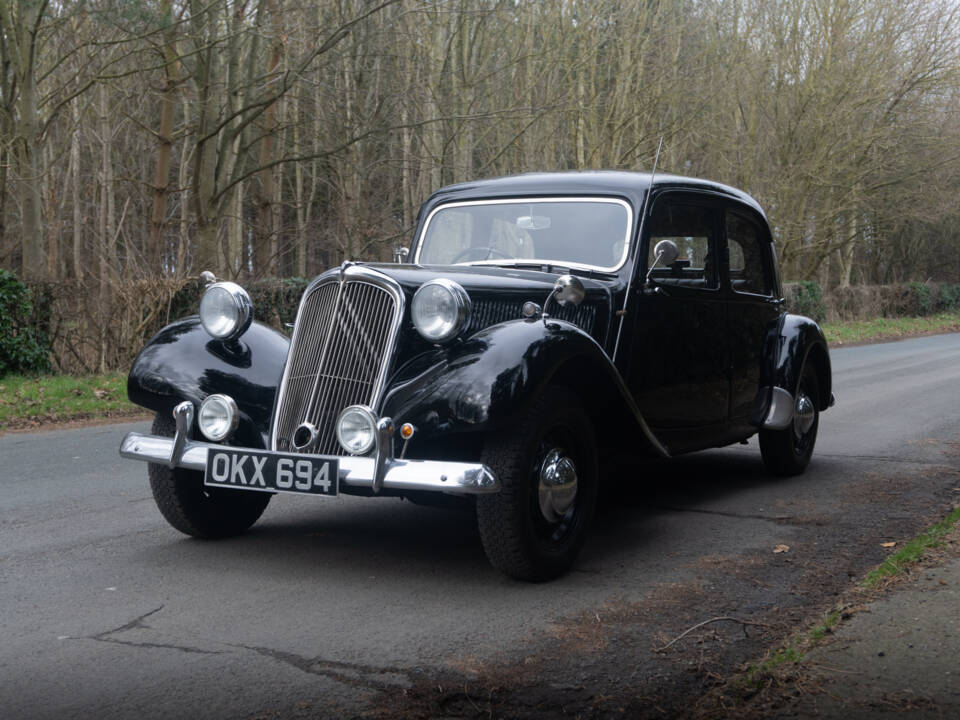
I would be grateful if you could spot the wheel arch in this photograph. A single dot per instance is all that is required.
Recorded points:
(182, 362)
(486, 382)
(819, 359)
(792, 342)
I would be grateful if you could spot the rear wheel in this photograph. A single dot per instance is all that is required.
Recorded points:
(192, 507)
(547, 466)
(788, 451)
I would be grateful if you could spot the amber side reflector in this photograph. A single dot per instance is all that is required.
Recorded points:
(407, 430)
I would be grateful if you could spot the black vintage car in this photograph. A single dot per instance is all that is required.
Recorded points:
(538, 324)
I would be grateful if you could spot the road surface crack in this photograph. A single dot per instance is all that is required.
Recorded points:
(138, 624)
(363, 676)
(726, 513)
(887, 458)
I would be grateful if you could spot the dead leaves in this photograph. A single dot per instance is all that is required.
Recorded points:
(781, 548)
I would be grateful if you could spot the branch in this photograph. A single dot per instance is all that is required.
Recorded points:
(289, 78)
(707, 622)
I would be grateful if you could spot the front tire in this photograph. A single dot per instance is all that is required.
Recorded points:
(788, 451)
(195, 509)
(534, 527)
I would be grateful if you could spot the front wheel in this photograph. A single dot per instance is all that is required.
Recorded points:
(788, 451)
(192, 507)
(547, 466)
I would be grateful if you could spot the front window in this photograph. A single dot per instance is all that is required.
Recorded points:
(592, 233)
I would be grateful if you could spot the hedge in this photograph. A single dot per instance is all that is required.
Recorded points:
(76, 333)
(24, 347)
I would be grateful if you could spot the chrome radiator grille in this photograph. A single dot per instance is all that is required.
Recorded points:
(339, 355)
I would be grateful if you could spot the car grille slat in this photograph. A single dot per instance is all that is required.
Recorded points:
(487, 312)
(339, 356)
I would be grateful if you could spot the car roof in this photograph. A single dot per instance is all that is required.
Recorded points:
(630, 185)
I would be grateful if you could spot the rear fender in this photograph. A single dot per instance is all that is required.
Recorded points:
(792, 342)
(489, 380)
(183, 362)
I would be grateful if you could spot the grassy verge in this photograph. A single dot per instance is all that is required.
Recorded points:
(857, 331)
(786, 659)
(34, 401)
(913, 551)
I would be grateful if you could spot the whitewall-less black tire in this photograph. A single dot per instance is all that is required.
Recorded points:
(192, 507)
(546, 462)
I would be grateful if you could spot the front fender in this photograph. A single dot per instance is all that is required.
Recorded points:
(182, 362)
(792, 342)
(489, 380)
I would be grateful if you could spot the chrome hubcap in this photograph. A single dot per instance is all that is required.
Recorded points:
(558, 485)
(804, 413)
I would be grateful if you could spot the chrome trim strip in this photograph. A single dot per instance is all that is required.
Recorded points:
(780, 414)
(536, 199)
(458, 478)
(343, 274)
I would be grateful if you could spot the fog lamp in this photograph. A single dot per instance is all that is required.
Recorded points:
(218, 417)
(357, 429)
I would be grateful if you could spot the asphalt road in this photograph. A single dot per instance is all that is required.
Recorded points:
(377, 606)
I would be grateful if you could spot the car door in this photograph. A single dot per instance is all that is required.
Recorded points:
(753, 303)
(678, 361)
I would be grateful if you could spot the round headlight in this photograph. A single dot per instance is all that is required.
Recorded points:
(357, 429)
(218, 417)
(225, 310)
(440, 310)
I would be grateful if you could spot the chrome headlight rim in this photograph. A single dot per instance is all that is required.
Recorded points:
(457, 324)
(229, 411)
(367, 415)
(242, 307)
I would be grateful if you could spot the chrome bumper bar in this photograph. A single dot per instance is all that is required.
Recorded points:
(780, 413)
(380, 471)
(361, 472)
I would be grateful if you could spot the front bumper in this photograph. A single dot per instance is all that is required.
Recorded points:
(376, 472)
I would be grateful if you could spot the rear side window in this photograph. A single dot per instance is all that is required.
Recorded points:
(748, 271)
(691, 227)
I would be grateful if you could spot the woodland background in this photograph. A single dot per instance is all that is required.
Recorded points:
(143, 141)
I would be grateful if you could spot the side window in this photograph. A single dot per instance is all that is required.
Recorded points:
(691, 227)
(747, 269)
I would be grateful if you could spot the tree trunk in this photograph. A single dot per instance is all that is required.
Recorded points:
(265, 229)
(78, 273)
(161, 178)
(31, 194)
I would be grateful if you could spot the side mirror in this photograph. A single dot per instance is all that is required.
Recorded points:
(569, 290)
(665, 253)
(400, 254)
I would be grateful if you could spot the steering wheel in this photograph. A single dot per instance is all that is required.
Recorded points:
(464, 254)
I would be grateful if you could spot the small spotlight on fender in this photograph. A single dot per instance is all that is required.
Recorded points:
(406, 432)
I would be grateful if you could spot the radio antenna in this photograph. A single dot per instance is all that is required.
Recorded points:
(643, 221)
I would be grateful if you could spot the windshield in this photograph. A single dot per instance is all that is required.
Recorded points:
(592, 233)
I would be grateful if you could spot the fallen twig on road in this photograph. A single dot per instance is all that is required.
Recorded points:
(686, 632)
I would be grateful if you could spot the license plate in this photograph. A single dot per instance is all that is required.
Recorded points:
(271, 472)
